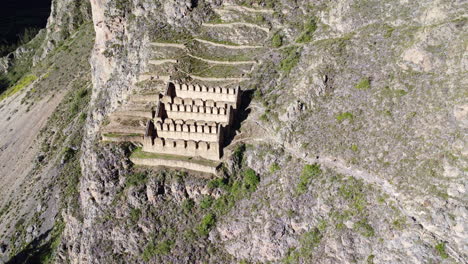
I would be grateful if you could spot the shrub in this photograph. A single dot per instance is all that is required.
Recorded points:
(206, 224)
(308, 173)
(363, 84)
(277, 40)
(291, 59)
(251, 180)
(440, 248)
(135, 214)
(135, 179)
(308, 31)
(206, 202)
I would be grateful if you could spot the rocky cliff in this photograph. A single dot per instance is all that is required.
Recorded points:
(353, 148)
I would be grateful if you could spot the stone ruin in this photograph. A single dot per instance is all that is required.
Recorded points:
(191, 121)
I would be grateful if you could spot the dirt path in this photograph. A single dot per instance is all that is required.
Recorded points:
(223, 62)
(211, 79)
(169, 45)
(159, 62)
(247, 9)
(342, 167)
(234, 24)
(227, 46)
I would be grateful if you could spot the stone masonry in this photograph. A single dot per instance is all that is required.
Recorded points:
(192, 121)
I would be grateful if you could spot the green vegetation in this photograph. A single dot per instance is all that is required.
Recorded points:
(187, 205)
(440, 248)
(135, 215)
(364, 228)
(308, 242)
(135, 179)
(22, 83)
(309, 172)
(308, 31)
(352, 190)
(206, 202)
(363, 84)
(354, 148)
(206, 224)
(343, 116)
(162, 248)
(277, 40)
(117, 135)
(274, 167)
(251, 180)
(291, 59)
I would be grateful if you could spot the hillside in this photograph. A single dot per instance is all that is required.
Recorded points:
(350, 146)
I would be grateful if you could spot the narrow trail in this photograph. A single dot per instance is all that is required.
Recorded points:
(227, 46)
(212, 79)
(159, 62)
(170, 45)
(222, 62)
(341, 167)
(247, 9)
(234, 24)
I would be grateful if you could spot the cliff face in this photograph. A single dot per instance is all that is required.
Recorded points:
(368, 93)
(353, 148)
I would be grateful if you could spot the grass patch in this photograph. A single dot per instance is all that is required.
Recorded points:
(308, 31)
(117, 135)
(363, 84)
(21, 84)
(343, 116)
(308, 173)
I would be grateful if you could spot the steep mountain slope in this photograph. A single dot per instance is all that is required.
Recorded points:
(352, 147)
(368, 93)
(42, 116)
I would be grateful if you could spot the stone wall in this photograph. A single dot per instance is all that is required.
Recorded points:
(179, 147)
(206, 113)
(175, 164)
(219, 94)
(188, 131)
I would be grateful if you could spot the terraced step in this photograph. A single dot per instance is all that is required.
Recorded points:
(116, 137)
(223, 62)
(234, 25)
(142, 158)
(153, 77)
(145, 98)
(125, 130)
(230, 46)
(247, 9)
(212, 79)
(238, 35)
